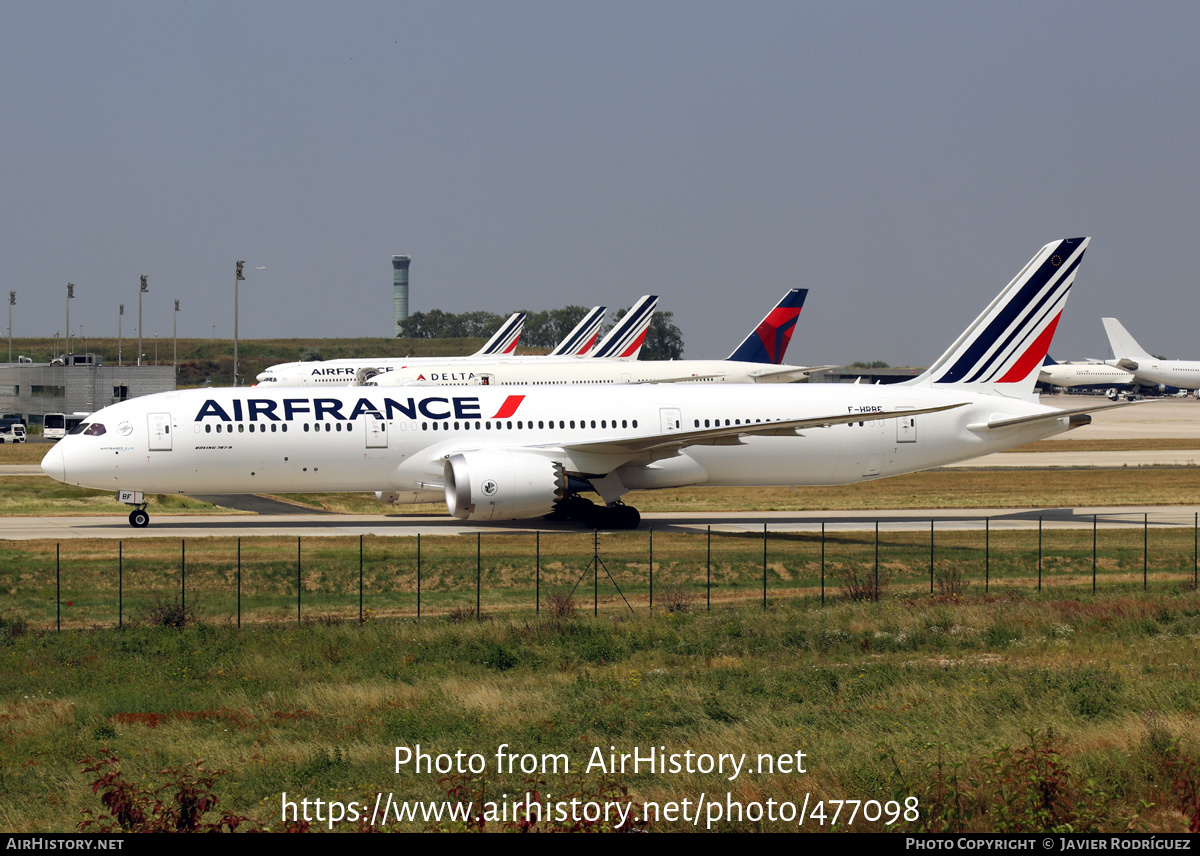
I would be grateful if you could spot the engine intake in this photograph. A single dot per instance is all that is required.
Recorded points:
(502, 485)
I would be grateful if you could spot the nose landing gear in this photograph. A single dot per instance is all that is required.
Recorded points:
(139, 518)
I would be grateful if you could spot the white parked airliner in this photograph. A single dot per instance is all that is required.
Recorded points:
(503, 454)
(758, 359)
(1148, 369)
(625, 339)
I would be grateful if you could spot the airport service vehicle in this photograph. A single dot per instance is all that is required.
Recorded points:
(11, 431)
(1148, 369)
(497, 454)
(758, 359)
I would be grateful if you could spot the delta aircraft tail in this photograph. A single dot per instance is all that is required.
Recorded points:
(1001, 353)
(768, 342)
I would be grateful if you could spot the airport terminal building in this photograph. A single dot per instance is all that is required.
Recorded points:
(35, 389)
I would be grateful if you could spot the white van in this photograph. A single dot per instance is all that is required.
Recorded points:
(12, 432)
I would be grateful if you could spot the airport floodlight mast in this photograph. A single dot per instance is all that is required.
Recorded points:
(120, 315)
(70, 297)
(238, 278)
(143, 288)
(175, 336)
(12, 301)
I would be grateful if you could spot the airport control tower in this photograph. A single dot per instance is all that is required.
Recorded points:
(399, 292)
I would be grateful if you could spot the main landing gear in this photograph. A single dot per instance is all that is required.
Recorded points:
(139, 518)
(593, 516)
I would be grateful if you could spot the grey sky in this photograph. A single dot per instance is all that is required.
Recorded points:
(901, 160)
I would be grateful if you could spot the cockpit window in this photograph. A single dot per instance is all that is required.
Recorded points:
(95, 429)
(80, 428)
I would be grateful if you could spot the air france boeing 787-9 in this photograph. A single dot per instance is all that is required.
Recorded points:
(504, 453)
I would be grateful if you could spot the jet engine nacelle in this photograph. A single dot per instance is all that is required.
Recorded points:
(365, 374)
(502, 485)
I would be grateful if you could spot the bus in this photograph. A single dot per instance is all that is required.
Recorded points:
(55, 426)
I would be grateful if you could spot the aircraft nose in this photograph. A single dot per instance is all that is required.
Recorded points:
(55, 465)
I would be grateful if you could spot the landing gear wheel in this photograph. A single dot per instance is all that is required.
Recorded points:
(624, 516)
(573, 507)
(139, 519)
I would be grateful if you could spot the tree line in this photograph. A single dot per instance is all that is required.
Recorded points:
(544, 329)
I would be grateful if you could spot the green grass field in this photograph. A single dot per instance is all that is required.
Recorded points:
(951, 701)
(1011, 669)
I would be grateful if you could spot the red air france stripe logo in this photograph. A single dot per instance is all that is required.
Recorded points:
(509, 407)
(1033, 357)
(633, 349)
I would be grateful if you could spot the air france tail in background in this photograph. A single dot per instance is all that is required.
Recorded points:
(1002, 351)
(624, 342)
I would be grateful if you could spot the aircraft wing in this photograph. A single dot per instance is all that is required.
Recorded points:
(730, 435)
(786, 371)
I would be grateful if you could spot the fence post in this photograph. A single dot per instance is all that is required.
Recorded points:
(708, 575)
(1039, 552)
(764, 566)
(931, 557)
(537, 573)
(239, 581)
(57, 587)
(1145, 551)
(1093, 554)
(1196, 551)
(822, 563)
(297, 580)
(360, 579)
(652, 570)
(595, 572)
(418, 577)
(183, 574)
(478, 575)
(987, 553)
(120, 586)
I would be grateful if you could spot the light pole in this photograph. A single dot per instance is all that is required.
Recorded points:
(83, 337)
(145, 286)
(236, 280)
(120, 314)
(175, 336)
(156, 349)
(70, 297)
(12, 301)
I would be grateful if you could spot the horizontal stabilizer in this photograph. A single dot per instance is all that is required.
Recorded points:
(1042, 417)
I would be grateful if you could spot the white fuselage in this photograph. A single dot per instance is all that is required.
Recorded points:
(1184, 374)
(363, 439)
(539, 371)
(1085, 374)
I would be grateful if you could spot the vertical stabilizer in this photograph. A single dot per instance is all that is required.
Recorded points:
(580, 340)
(1124, 346)
(624, 341)
(504, 340)
(1002, 351)
(768, 342)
